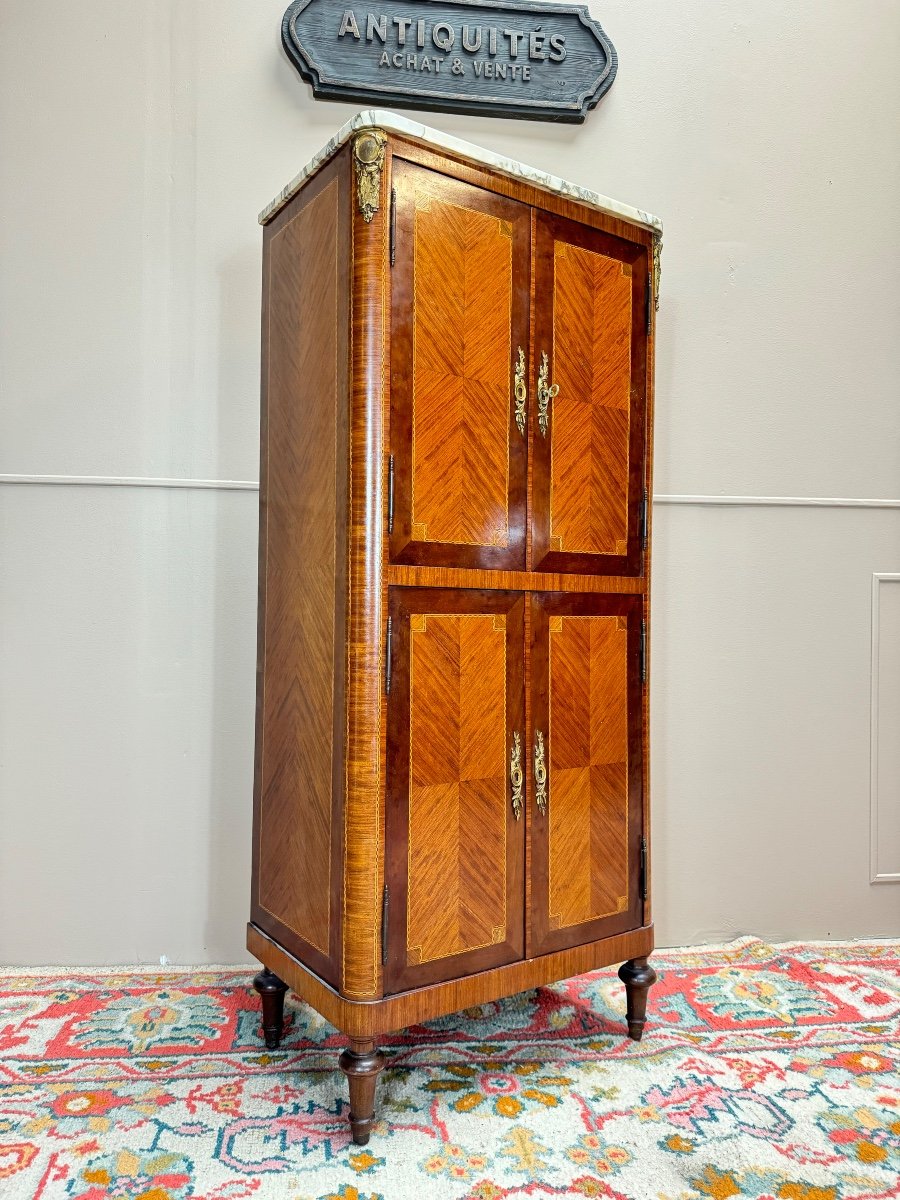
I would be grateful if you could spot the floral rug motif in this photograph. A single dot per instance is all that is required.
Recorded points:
(770, 1072)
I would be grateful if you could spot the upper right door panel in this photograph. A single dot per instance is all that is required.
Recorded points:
(591, 304)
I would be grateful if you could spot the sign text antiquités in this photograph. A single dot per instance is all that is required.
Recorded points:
(537, 59)
(491, 51)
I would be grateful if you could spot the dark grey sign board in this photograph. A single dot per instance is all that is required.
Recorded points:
(526, 58)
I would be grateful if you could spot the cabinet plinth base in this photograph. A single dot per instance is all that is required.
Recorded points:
(362, 1063)
(368, 1019)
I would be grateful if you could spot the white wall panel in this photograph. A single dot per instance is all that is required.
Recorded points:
(142, 143)
(760, 742)
(139, 142)
(128, 642)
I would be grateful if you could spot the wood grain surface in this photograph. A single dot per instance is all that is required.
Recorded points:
(408, 150)
(302, 557)
(587, 472)
(363, 830)
(591, 358)
(455, 848)
(522, 581)
(459, 315)
(586, 701)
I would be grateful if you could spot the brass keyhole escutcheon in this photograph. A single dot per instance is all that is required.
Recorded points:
(545, 395)
(521, 392)
(540, 773)
(516, 775)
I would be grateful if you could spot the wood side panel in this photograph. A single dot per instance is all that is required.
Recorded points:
(455, 848)
(459, 315)
(586, 701)
(587, 468)
(648, 555)
(375, 1017)
(298, 792)
(366, 616)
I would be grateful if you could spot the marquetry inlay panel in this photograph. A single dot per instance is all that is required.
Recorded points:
(462, 320)
(588, 786)
(457, 784)
(298, 645)
(591, 364)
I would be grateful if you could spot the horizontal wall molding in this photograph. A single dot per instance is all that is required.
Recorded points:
(135, 481)
(780, 501)
(251, 485)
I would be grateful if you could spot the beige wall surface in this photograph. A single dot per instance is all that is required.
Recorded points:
(138, 143)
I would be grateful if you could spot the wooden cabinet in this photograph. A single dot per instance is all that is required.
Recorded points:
(451, 799)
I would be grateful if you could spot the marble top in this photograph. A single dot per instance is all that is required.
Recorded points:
(376, 118)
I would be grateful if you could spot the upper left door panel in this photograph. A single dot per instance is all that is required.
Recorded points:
(459, 369)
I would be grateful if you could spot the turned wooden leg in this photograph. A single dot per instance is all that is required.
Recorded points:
(638, 977)
(271, 992)
(362, 1064)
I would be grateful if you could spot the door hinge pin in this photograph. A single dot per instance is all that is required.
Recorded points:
(384, 925)
(391, 494)
(387, 658)
(393, 225)
(643, 875)
(649, 301)
(643, 652)
(645, 514)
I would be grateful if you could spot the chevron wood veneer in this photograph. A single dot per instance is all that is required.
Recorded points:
(450, 797)
(304, 454)
(589, 471)
(457, 792)
(462, 316)
(588, 782)
(591, 357)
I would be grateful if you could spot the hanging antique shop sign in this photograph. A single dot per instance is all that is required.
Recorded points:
(525, 58)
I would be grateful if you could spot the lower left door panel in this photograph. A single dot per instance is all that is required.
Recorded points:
(454, 870)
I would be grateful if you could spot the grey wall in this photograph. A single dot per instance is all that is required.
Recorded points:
(138, 145)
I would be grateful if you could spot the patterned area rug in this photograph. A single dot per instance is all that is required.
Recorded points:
(766, 1071)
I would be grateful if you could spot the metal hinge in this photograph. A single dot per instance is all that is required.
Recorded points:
(387, 658)
(643, 875)
(648, 303)
(384, 925)
(645, 507)
(643, 652)
(391, 493)
(392, 225)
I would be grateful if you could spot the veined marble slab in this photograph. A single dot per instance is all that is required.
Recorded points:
(377, 118)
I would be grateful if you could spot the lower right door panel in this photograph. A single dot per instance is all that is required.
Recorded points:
(587, 768)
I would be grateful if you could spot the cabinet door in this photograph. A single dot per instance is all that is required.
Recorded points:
(585, 840)
(459, 324)
(590, 308)
(455, 846)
